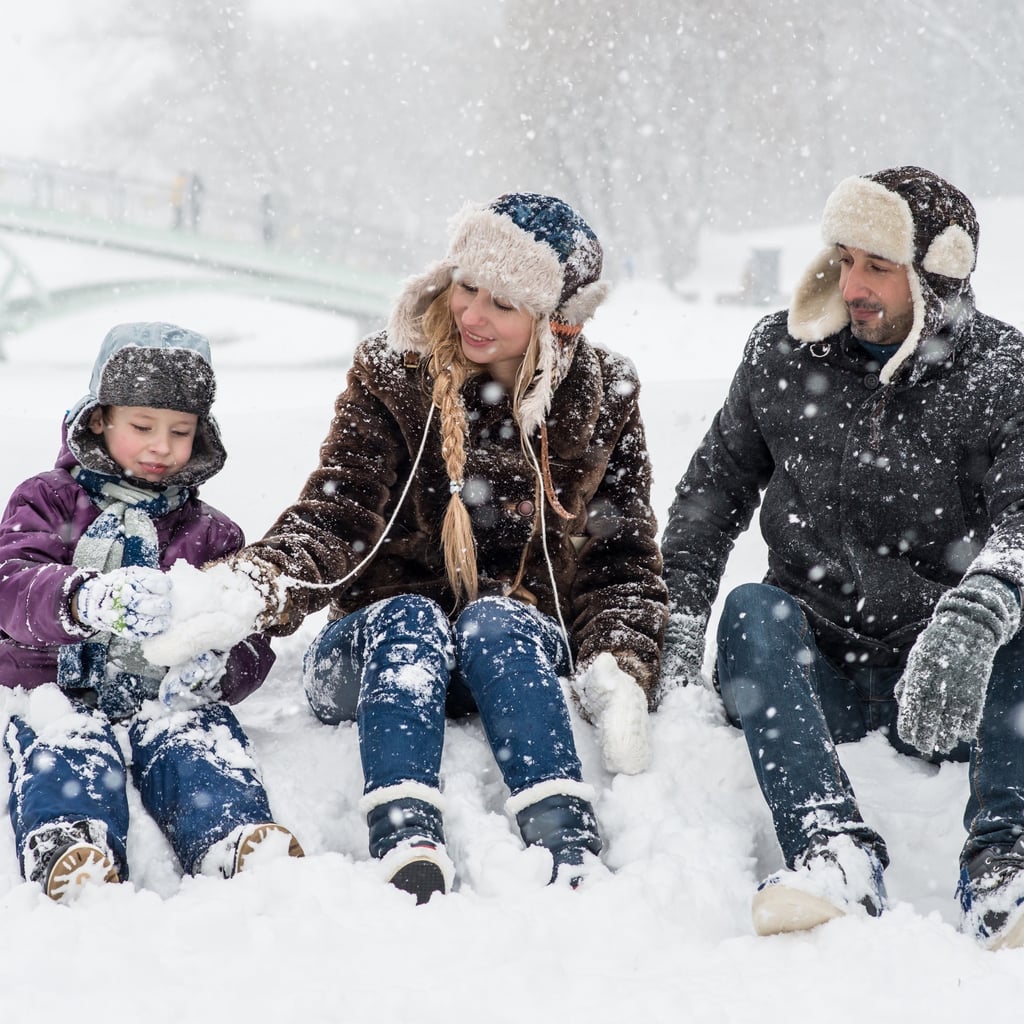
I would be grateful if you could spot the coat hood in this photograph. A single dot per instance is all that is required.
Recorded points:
(159, 366)
(534, 251)
(907, 215)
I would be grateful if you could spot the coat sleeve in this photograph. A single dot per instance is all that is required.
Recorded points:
(618, 594)
(714, 502)
(37, 579)
(341, 512)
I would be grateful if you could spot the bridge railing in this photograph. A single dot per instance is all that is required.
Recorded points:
(267, 220)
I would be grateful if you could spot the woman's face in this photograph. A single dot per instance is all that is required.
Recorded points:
(494, 334)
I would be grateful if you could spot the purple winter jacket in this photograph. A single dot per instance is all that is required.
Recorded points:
(44, 519)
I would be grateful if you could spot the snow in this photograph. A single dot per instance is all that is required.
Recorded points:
(210, 611)
(665, 936)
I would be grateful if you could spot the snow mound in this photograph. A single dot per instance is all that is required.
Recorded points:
(211, 610)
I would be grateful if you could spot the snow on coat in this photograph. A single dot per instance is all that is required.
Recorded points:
(606, 560)
(877, 498)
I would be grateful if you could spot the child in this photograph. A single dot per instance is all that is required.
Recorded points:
(82, 549)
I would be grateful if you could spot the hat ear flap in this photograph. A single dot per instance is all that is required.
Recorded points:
(582, 305)
(818, 309)
(405, 333)
(951, 254)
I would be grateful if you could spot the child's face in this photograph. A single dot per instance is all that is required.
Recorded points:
(151, 444)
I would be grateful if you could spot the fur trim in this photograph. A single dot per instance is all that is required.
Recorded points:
(491, 251)
(951, 254)
(408, 790)
(542, 790)
(583, 305)
(863, 214)
(818, 310)
(913, 338)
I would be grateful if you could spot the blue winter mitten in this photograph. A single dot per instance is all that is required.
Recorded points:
(194, 682)
(132, 602)
(942, 691)
(682, 660)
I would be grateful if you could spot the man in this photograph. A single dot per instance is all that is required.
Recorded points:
(882, 420)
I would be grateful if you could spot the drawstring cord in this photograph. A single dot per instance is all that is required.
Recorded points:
(290, 581)
(544, 539)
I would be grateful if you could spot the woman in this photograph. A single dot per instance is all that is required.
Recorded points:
(480, 521)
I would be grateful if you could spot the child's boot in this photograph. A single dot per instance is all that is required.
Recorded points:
(563, 823)
(65, 856)
(407, 837)
(248, 845)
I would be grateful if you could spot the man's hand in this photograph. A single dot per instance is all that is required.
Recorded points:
(942, 690)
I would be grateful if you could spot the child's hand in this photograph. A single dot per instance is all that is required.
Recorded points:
(194, 682)
(132, 602)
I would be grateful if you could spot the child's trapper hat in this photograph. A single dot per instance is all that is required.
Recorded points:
(157, 366)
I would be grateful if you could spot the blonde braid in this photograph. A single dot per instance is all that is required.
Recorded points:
(450, 372)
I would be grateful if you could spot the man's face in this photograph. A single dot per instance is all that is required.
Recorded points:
(877, 296)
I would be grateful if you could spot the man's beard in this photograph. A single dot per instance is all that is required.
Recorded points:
(880, 330)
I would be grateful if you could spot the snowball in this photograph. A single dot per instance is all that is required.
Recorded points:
(211, 610)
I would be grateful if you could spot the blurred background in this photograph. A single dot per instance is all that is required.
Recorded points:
(348, 132)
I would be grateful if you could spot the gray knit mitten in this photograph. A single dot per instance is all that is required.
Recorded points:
(942, 690)
(682, 660)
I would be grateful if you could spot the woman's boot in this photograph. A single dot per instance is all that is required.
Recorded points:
(407, 837)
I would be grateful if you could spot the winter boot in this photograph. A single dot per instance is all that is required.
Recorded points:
(249, 845)
(835, 875)
(565, 825)
(407, 837)
(991, 895)
(67, 856)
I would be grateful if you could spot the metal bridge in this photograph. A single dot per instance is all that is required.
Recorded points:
(228, 253)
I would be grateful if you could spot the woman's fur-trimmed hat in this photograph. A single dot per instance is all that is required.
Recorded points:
(157, 366)
(907, 215)
(530, 250)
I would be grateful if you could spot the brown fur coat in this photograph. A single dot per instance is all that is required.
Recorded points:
(606, 561)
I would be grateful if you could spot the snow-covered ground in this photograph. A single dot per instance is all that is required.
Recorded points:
(666, 937)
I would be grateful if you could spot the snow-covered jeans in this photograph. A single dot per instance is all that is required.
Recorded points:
(794, 705)
(395, 666)
(193, 770)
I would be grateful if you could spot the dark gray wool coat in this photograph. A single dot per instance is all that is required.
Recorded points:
(606, 560)
(876, 498)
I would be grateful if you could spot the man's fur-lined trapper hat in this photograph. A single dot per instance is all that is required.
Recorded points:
(530, 250)
(907, 215)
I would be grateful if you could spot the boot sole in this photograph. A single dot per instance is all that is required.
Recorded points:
(778, 909)
(422, 878)
(80, 865)
(250, 843)
(1012, 937)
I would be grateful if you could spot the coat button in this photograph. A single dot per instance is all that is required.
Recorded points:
(871, 381)
(525, 508)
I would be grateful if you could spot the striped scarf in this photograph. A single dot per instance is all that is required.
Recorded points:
(123, 534)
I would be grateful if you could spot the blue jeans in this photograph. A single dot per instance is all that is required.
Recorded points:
(396, 667)
(193, 771)
(794, 705)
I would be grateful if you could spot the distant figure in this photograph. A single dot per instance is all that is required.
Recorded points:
(269, 215)
(178, 200)
(196, 190)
